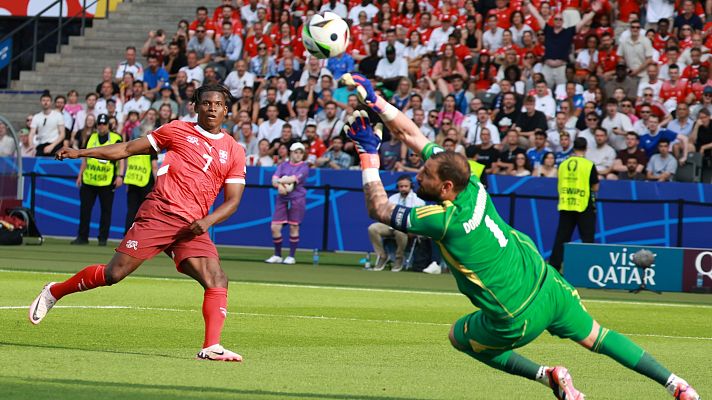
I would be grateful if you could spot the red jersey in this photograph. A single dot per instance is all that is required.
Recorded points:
(660, 42)
(696, 87)
(252, 42)
(196, 167)
(627, 7)
(424, 34)
(608, 59)
(502, 16)
(209, 25)
(692, 71)
(316, 149)
(678, 90)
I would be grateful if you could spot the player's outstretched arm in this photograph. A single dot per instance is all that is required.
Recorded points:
(111, 152)
(367, 140)
(399, 125)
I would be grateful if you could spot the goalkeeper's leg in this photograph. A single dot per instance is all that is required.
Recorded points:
(476, 336)
(629, 354)
(575, 323)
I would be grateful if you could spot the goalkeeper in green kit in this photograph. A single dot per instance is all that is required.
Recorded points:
(498, 268)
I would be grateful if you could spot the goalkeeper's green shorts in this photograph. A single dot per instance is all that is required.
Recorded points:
(557, 309)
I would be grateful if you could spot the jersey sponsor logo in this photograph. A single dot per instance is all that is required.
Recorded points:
(192, 139)
(209, 147)
(132, 244)
(223, 156)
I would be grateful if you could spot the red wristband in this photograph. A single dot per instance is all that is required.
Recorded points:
(369, 160)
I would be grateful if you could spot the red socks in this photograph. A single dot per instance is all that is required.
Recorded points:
(86, 279)
(214, 313)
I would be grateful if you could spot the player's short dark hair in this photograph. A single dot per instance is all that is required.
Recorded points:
(215, 87)
(59, 96)
(201, 8)
(580, 144)
(90, 94)
(631, 133)
(46, 93)
(540, 132)
(664, 141)
(131, 48)
(453, 167)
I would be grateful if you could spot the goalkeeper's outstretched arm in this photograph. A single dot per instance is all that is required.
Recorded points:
(400, 126)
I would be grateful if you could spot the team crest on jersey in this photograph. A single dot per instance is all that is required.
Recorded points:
(192, 139)
(223, 156)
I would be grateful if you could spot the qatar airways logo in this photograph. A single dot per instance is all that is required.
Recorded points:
(621, 271)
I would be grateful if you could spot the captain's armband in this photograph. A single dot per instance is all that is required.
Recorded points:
(399, 218)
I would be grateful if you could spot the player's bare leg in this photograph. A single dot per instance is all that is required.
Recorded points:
(210, 275)
(556, 378)
(93, 276)
(629, 354)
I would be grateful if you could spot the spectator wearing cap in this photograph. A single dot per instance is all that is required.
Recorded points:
(440, 35)
(558, 41)
(391, 70)
(166, 98)
(290, 205)
(154, 77)
(98, 178)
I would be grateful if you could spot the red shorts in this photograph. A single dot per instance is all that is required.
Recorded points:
(153, 233)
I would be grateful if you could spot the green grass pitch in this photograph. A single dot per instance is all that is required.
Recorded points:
(327, 332)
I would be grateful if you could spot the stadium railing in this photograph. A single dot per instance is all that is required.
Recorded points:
(33, 45)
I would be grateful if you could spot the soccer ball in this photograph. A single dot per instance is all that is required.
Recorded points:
(289, 187)
(326, 35)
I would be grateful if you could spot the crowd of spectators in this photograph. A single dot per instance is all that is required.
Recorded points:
(510, 84)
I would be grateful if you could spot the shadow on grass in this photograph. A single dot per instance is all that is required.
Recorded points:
(78, 387)
(48, 346)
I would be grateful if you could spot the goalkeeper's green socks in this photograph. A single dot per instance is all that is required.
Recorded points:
(629, 354)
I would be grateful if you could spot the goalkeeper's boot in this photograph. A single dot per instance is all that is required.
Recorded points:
(42, 304)
(683, 391)
(218, 353)
(562, 384)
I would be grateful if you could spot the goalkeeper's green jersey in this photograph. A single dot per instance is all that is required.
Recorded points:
(498, 268)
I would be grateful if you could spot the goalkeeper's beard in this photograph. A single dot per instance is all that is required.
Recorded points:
(425, 195)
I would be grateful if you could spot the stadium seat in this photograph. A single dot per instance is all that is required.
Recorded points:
(692, 170)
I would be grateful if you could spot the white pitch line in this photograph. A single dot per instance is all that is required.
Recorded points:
(319, 317)
(377, 290)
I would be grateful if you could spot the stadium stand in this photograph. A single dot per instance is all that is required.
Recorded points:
(580, 68)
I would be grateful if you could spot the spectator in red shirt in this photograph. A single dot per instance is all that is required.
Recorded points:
(315, 146)
(202, 20)
(607, 58)
(228, 14)
(257, 38)
(502, 12)
(424, 28)
(673, 90)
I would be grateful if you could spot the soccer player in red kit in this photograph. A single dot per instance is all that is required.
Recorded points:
(200, 160)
